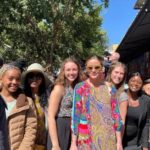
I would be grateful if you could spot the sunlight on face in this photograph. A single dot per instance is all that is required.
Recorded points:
(71, 71)
(11, 80)
(94, 69)
(117, 75)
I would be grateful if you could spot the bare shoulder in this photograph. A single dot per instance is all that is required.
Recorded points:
(58, 89)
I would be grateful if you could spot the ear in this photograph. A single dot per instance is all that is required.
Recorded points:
(0, 84)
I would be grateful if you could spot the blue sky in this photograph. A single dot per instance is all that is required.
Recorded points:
(117, 19)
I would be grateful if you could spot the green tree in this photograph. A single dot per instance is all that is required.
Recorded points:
(47, 31)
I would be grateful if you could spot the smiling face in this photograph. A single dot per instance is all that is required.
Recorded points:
(135, 83)
(11, 80)
(35, 79)
(146, 88)
(71, 71)
(94, 69)
(117, 75)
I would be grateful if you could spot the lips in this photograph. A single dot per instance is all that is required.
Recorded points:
(13, 87)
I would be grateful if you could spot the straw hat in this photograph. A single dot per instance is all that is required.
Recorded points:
(35, 67)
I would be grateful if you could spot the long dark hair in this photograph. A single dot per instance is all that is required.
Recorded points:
(42, 90)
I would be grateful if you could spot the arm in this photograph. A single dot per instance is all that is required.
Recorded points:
(123, 105)
(123, 110)
(73, 142)
(123, 113)
(119, 140)
(54, 102)
(30, 128)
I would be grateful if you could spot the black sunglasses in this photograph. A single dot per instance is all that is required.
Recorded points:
(37, 76)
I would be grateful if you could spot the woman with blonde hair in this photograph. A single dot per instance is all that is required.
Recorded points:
(60, 104)
(116, 79)
(20, 112)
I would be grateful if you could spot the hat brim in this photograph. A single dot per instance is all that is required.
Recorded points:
(47, 80)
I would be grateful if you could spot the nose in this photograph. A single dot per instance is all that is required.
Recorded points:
(14, 81)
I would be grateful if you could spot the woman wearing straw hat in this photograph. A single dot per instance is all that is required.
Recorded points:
(35, 84)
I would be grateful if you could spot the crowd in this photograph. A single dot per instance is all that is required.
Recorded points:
(99, 108)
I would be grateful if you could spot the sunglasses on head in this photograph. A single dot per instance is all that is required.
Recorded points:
(37, 76)
(97, 68)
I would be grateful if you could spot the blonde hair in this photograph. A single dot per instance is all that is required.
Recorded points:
(5, 68)
(120, 86)
(61, 79)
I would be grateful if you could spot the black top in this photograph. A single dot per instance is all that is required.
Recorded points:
(136, 129)
(3, 126)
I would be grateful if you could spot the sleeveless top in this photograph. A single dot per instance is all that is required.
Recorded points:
(65, 106)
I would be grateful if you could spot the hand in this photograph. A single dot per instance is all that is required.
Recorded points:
(73, 147)
(119, 146)
(56, 147)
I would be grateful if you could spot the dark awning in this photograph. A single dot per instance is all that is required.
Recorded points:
(137, 39)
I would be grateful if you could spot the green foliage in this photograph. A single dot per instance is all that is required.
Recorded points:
(47, 31)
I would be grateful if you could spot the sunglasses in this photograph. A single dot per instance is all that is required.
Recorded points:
(37, 76)
(97, 68)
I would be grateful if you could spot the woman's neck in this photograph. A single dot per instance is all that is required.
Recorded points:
(95, 83)
(132, 95)
(9, 97)
(69, 83)
(35, 92)
(110, 84)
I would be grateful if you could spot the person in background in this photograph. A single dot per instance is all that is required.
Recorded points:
(109, 59)
(20, 112)
(146, 96)
(60, 104)
(136, 129)
(116, 77)
(20, 63)
(114, 57)
(35, 84)
(146, 87)
(96, 120)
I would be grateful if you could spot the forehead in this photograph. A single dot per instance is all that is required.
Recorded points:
(12, 71)
(119, 68)
(138, 78)
(70, 64)
(146, 85)
(93, 61)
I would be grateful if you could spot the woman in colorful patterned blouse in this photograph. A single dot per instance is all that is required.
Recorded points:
(60, 105)
(96, 120)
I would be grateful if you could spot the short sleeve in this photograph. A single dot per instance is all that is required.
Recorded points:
(123, 97)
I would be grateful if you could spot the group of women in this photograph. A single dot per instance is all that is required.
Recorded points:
(84, 111)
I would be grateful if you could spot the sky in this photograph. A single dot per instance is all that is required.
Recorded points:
(117, 19)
